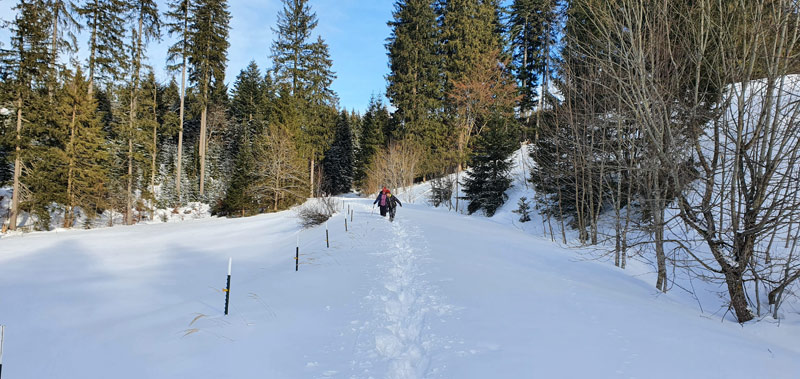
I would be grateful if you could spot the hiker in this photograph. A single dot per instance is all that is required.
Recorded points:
(382, 201)
(392, 201)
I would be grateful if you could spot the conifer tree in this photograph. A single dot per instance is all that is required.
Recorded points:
(470, 30)
(64, 26)
(249, 108)
(486, 183)
(304, 68)
(177, 56)
(532, 30)
(415, 80)
(147, 26)
(85, 153)
(151, 124)
(208, 47)
(373, 137)
(290, 49)
(239, 199)
(105, 20)
(249, 102)
(24, 67)
(338, 162)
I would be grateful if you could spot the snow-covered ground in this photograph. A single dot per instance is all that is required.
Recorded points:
(436, 294)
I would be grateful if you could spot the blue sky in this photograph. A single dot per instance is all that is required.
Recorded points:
(355, 31)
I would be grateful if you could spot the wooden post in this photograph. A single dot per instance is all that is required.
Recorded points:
(351, 215)
(228, 287)
(327, 241)
(345, 224)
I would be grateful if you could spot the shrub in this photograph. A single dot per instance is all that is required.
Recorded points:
(316, 211)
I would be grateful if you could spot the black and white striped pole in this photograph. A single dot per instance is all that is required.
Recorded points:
(228, 287)
(2, 337)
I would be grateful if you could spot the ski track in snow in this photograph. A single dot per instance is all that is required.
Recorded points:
(397, 343)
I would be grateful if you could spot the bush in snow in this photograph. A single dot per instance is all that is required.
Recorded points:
(524, 209)
(316, 211)
(442, 191)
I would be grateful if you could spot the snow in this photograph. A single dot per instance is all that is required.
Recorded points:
(436, 294)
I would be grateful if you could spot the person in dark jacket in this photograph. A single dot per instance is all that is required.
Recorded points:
(382, 201)
(392, 201)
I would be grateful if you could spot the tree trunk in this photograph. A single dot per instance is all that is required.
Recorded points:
(155, 152)
(68, 220)
(93, 47)
(735, 282)
(183, 94)
(12, 220)
(129, 202)
(202, 148)
(311, 182)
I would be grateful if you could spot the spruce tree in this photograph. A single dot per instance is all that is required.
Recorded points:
(249, 108)
(303, 67)
(338, 162)
(147, 26)
(24, 67)
(250, 102)
(105, 20)
(532, 30)
(373, 137)
(489, 177)
(177, 22)
(470, 30)
(63, 38)
(208, 47)
(151, 125)
(239, 199)
(415, 81)
(85, 152)
(290, 48)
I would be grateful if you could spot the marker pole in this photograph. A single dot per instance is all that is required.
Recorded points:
(297, 254)
(327, 241)
(2, 336)
(228, 287)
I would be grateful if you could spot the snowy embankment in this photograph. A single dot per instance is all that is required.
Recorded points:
(26, 222)
(435, 294)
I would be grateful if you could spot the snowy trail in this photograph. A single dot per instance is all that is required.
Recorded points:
(397, 342)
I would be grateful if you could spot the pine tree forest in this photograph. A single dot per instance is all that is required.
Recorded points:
(617, 102)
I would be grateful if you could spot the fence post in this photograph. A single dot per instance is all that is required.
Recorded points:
(327, 241)
(345, 224)
(228, 287)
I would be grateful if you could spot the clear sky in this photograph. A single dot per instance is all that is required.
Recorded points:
(355, 31)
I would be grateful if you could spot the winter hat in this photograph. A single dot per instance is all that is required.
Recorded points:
(385, 190)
